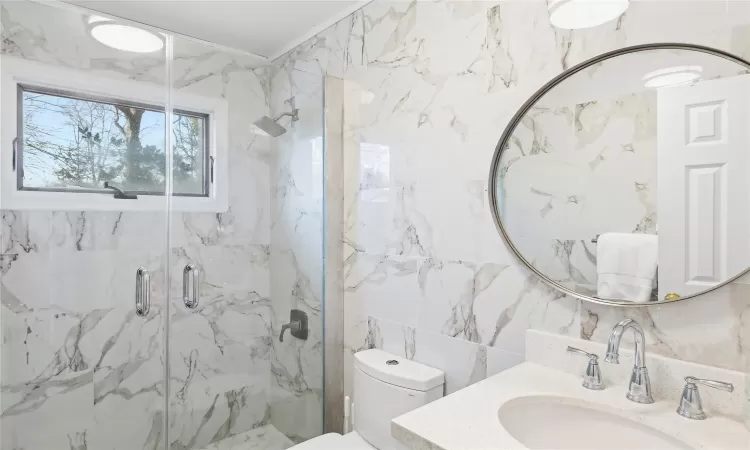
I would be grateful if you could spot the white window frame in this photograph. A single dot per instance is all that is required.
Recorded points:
(15, 71)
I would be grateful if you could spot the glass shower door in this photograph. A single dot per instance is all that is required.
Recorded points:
(84, 234)
(219, 323)
(154, 243)
(296, 395)
(241, 264)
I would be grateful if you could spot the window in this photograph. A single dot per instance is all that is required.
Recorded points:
(374, 172)
(77, 144)
(316, 165)
(80, 138)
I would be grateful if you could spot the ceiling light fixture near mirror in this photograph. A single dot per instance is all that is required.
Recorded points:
(672, 76)
(124, 37)
(577, 14)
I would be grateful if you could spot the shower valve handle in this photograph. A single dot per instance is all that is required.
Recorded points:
(297, 325)
(294, 326)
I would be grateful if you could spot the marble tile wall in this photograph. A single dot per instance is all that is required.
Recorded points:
(75, 357)
(429, 88)
(576, 158)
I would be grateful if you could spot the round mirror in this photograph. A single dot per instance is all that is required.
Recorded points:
(626, 179)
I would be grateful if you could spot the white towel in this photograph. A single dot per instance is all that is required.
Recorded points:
(626, 266)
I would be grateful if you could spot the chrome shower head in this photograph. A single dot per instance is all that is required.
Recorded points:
(272, 127)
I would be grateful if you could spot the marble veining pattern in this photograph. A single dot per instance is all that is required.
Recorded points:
(429, 89)
(587, 154)
(75, 357)
(296, 254)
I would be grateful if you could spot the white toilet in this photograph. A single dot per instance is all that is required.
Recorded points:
(385, 386)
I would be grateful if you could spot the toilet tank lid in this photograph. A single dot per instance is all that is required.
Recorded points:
(398, 371)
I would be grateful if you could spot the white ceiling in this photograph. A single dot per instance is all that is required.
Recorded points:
(266, 28)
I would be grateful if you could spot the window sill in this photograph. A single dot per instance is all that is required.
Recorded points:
(57, 201)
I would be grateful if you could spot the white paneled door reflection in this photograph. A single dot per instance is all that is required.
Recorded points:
(703, 138)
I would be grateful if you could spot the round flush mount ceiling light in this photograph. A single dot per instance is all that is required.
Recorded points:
(577, 14)
(672, 76)
(124, 37)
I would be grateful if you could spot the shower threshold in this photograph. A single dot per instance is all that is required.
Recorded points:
(263, 438)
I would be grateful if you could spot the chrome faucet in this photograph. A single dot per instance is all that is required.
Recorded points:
(639, 389)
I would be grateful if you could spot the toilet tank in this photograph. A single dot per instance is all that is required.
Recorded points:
(387, 386)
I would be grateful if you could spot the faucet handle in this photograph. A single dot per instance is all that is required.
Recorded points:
(578, 351)
(724, 386)
(690, 402)
(592, 379)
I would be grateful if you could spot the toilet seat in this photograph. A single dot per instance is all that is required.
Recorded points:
(355, 441)
(335, 441)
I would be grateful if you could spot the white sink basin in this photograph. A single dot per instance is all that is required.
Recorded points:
(547, 422)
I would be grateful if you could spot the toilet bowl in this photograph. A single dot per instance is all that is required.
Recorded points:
(385, 386)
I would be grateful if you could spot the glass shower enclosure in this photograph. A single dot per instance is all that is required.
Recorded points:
(154, 241)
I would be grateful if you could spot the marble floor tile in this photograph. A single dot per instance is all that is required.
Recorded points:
(263, 438)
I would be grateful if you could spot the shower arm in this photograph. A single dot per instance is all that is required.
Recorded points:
(294, 114)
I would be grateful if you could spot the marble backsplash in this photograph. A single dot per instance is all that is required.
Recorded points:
(429, 88)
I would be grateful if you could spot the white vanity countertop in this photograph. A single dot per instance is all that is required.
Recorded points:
(468, 419)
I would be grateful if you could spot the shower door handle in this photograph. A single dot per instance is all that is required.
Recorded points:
(142, 291)
(191, 301)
